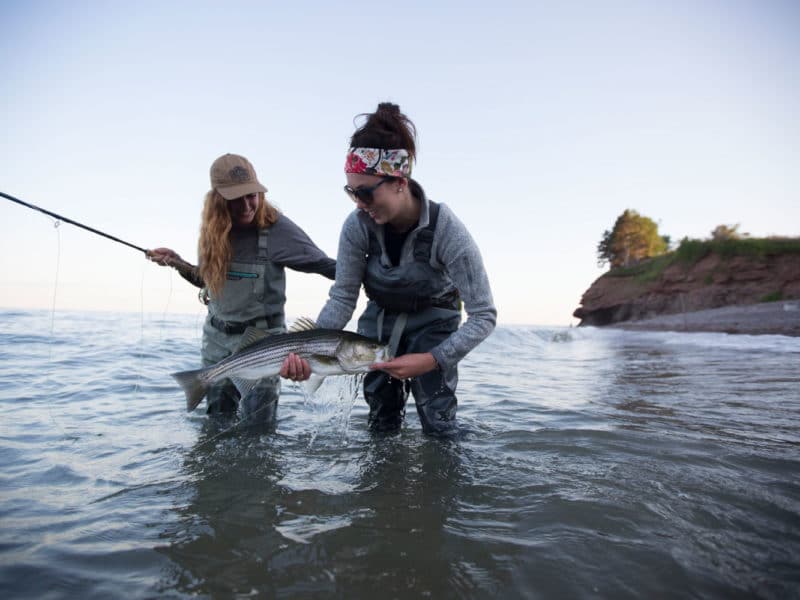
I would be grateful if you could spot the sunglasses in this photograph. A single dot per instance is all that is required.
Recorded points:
(364, 194)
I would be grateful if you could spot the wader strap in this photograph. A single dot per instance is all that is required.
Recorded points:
(379, 323)
(424, 240)
(263, 255)
(397, 329)
(394, 340)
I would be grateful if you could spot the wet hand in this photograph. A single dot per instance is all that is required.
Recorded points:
(407, 366)
(295, 368)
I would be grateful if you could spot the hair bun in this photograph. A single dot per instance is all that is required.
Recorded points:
(388, 107)
(386, 128)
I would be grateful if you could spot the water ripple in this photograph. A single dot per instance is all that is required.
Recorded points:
(590, 463)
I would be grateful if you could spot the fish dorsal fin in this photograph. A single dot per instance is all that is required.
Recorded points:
(302, 324)
(250, 336)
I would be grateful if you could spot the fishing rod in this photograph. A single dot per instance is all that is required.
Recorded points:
(66, 220)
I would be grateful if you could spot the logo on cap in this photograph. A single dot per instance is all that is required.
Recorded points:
(239, 175)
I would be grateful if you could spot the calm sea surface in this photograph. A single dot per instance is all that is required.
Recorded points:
(592, 464)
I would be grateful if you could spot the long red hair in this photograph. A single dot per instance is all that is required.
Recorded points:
(214, 247)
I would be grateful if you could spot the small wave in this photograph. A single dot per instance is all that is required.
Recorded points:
(303, 528)
(57, 475)
(724, 341)
(505, 339)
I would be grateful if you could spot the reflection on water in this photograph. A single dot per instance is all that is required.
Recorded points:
(280, 515)
(591, 463)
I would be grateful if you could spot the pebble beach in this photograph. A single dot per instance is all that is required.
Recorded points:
(775, 318)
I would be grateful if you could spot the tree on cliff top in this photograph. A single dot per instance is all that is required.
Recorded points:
(633, 238)
(727, 232)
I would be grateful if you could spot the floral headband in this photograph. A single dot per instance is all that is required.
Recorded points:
(376, 161)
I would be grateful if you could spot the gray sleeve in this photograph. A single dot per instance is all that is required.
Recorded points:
(191, 274)
(290, 246)
(457, 251)
(351, 262)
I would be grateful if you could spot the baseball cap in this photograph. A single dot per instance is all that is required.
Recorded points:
(233, 176)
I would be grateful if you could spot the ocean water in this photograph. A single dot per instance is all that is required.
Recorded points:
(591, 464)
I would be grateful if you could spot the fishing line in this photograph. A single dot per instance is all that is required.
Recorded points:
(166, 308)
(61, 218)
(56, 225)
(137, 387)
(200, 317)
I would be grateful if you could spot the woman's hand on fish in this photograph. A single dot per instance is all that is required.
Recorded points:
(295, 368)
(407, 366)
(164, 257)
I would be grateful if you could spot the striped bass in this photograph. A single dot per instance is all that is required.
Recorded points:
(328, 352)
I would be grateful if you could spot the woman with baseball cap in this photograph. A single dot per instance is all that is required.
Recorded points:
(418, 265)
(245, 245)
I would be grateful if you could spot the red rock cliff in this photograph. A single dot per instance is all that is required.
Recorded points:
(714, 281)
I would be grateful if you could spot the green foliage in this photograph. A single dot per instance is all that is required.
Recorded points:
(773, 297)
(634, 249)
(727, 232)
(604, 248)
(691, 251)
(759, 246)
(633, 238)
(645, 271)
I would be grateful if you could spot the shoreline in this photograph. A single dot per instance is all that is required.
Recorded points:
(767, 318)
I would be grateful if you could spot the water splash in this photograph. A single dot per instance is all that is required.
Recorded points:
(331, 406)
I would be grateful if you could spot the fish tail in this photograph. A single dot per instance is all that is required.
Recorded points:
(194, 386)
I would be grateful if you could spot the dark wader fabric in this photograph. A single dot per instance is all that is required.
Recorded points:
(427, 296)
(253, 295)
(434, 392)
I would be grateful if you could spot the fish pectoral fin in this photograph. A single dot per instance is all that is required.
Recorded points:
(250, 336)
(302, 324)
(244, 385)
(312, 384)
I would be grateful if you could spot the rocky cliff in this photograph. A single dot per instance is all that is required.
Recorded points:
(665, 286)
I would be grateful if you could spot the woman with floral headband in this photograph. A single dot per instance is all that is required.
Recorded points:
(418, 264)
(245, 245)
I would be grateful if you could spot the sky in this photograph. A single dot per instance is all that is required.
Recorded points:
(538, 124)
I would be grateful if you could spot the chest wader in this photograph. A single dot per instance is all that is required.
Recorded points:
(254, 295)
(413, 307)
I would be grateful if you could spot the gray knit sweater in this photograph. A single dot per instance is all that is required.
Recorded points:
(288, 246)
(453, 251)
